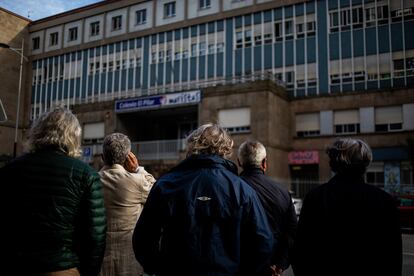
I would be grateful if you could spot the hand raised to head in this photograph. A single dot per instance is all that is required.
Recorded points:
(131, 163)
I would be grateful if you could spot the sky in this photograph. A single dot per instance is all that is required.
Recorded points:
(37, 9)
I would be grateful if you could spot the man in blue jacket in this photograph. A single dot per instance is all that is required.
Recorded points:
(201, 218)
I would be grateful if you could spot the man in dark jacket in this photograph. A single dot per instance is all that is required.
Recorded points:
(52, 210)
(347, 227)
(275, 199)
(201, 218)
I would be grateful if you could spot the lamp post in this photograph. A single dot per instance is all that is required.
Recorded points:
(18, 51)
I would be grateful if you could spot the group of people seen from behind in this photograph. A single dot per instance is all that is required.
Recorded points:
(62, 218)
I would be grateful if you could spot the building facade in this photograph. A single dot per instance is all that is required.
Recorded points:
(293, 74)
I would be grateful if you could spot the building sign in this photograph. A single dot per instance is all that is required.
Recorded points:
(303, 157)
(153, 102)
(392, 177)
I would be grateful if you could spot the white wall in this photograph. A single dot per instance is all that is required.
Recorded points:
(236, 4)
(41, 35)
(57, 29)
(195, 11)
(66, 42)
(88, 21)
(108, 26)
(133, 27)
(179, 12)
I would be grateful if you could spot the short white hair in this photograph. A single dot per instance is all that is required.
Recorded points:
(251, 154)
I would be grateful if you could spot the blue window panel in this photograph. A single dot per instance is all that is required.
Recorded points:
(310, 7)
(118, 47)
(368, 1)
(288, 11)
(138, 77)
(210, 66)
(267, 56)
(211, 27)
(219, 65)
(322, 48)
(311, 50)
(384, 39)
(229, 46)
(145, 63)
(299, 9)
(77, 87)
(184, 70)
(91, 54)
(160, 75)
(278, 55)
(257, 18)
(185, 32)
(410, 81)
(344, 3)
(334, 46)
(168, 72)
(278, 14)
(152, 75)
(332, 4)
(247, 20)
(371, 40)
(33, 94)
(300, 92)
(130, 78)
(73, 56)
(193, 68)
(42, 94)
(79, 54)
(356, 2)
(123, 79)
(110, 83)
(248, 60)
(124, 46)
(202, 29)
(139, 42)
(49, 91)
(53, 91)
(202, 67)
(110, 47)
(177, 34)
(238, 60)
(84, 72)
(397, 82)
(267, 16)
(372, 84)
(176, 71)
(117, 80)
(71, 90)
(131, 45)
(358, 43)
(312, 91)
(289, 53)
(346, 45)
(387, 83)
(335, 89)
(220, 25)
(359, 86)
(33, 65)
(257, 58)
(102, 81)
(154, 39)
(239, 21)
(169, 36)
(396, 37)
(347, 87)
(409, 34)
(89, 90)
(194, 30)
(300, 51)
(161, 37)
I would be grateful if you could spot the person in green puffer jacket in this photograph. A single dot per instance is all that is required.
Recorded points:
(52, 209)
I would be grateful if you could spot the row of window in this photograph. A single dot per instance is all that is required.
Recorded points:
(359, 17)
(386, 119)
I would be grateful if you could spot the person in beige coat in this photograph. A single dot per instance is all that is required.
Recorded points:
(126, 187)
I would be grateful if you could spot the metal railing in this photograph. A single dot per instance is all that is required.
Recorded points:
(158, 150)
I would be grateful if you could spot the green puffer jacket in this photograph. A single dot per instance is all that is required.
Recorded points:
(53, 215)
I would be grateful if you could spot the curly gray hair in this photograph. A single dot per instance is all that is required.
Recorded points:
(57, 128)
(210, 139)
(251, 154)
(116, 147)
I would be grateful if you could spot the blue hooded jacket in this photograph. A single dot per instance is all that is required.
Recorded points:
(202, 219)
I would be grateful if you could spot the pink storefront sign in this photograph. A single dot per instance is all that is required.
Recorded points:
(303, 157)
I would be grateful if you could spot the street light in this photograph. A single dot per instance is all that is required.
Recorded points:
(18, 51)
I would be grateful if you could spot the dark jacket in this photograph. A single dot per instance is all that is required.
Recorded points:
(53, 215)
(202, 219)
(280, 212)
(347, 227)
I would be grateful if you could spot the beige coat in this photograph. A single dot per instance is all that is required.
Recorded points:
(125, 194)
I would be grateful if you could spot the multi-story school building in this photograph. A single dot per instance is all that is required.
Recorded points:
(293, 74)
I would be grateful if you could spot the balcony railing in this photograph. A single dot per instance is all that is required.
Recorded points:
(158, 150)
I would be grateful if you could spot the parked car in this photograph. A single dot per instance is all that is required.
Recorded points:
(406, 209)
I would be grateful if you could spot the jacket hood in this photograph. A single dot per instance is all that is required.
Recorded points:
(197, 161)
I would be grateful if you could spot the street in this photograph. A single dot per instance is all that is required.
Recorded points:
(408, 255)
